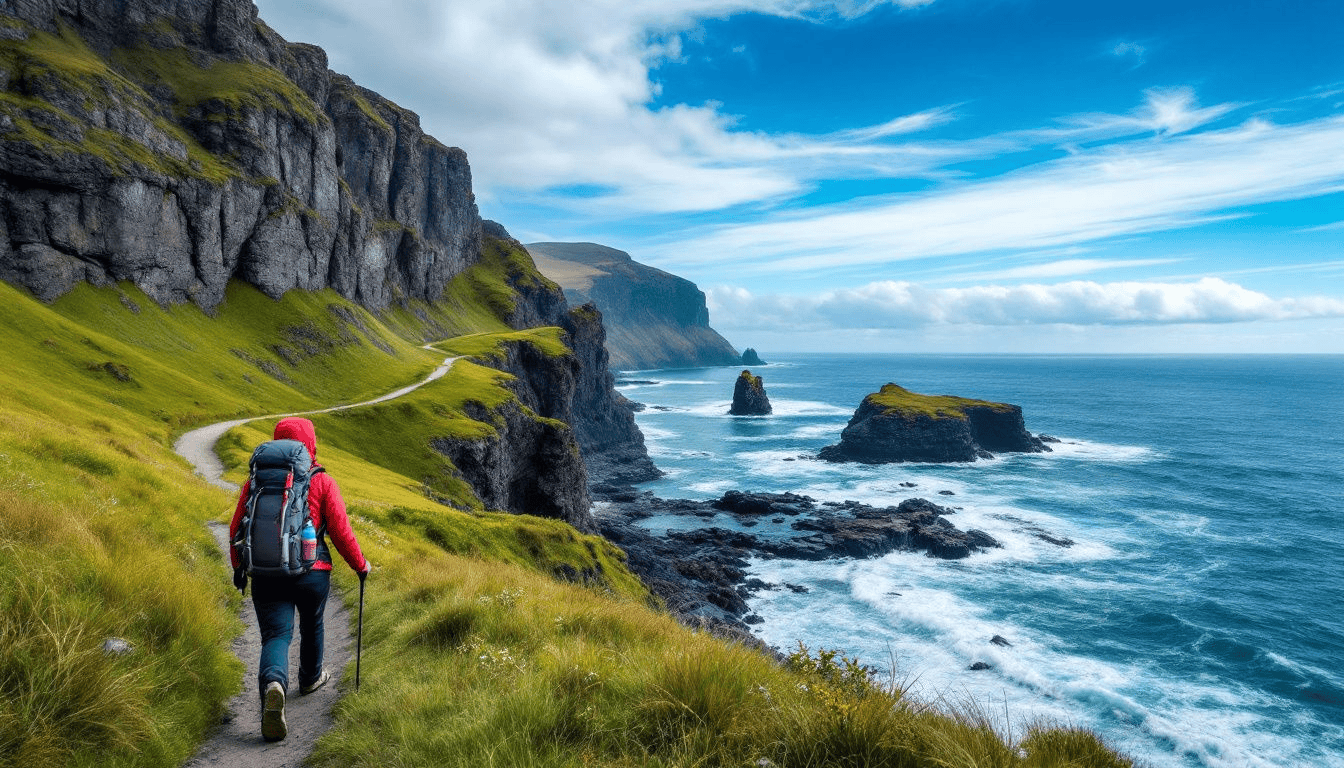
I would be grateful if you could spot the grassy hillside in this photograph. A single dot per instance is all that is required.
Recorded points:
(490, 639)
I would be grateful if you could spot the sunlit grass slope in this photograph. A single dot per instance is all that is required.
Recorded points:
(491, 639)
(102, 528)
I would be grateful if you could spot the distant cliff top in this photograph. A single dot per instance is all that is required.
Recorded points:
(654, 319)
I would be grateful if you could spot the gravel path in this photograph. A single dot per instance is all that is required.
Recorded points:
(237, 743)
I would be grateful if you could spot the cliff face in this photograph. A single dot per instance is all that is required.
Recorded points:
(895, 425)
(180, 144)
(653, 319)
(579, 428)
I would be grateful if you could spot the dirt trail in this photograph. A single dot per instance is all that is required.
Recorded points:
(237, 742)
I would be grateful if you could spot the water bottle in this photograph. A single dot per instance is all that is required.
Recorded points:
(309, 547)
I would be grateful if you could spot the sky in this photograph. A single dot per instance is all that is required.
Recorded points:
(1050, 176)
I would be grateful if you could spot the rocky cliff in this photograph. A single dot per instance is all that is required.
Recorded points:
(182, 144)
(895, 424)
(179, 144)
(653, 319)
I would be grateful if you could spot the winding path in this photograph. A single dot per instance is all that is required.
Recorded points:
(237, 743)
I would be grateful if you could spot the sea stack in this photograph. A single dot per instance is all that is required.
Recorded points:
(895, 424)
(749, 398)
(749, 357)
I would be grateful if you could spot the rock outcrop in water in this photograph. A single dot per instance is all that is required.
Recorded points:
(750, 357)
(895, 424)
(749, 397)
(700, 572)
(653, 319)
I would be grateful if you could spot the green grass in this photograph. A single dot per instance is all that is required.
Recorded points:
(491, 639)
(102, 528)
(227, 87)
(48, 63)
(899, 401)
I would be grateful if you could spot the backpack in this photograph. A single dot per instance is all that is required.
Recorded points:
(276, 524)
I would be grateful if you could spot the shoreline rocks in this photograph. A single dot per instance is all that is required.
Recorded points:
(700, 572)
(897, 425)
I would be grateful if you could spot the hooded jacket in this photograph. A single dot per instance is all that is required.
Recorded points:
(326, 508)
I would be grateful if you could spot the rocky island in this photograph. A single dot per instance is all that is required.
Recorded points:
(895, 424)
(749, 398)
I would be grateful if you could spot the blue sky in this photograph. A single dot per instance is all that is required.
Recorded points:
(919, 175)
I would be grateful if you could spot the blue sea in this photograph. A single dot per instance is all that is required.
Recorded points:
(1198, 617)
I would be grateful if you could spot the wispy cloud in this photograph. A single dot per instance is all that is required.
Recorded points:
(1061, 268)
(1165, 111)
(1128, 49)
(1102, 193)
(906, 124)
(545, 96)
(907, 305)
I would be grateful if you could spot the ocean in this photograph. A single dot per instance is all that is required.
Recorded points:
(1197, 619)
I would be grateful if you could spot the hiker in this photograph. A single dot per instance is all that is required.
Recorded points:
(276, 597)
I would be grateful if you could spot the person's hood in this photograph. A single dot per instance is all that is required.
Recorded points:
(295, 428)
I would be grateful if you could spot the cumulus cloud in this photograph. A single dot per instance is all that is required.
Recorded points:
(905, 305)
(545, 94)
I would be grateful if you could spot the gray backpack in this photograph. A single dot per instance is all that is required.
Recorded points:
(276, 527)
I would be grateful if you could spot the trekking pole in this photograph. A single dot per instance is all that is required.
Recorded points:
(359, 635)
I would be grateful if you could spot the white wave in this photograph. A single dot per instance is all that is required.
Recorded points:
(934, 635)
(1083, 449)
(657, 433)
(811, 431)
(781, 408)
(715, 487)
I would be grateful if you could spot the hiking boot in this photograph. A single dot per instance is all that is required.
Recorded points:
(273, 727)
(318, 683)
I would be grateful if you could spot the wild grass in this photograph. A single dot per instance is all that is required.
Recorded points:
(479, 649)
(899, 400)
(477, 663)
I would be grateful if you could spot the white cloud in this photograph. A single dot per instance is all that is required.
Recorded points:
(1060, 268)
(547, 94)
(1129, 48)
(1111, 191)
(905, 305)
(1165, 111)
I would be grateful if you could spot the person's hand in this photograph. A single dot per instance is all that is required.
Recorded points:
(240, 580)
(364, 572)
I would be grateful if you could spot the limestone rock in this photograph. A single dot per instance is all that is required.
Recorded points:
(749, 397)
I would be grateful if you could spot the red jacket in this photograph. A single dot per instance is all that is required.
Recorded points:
(325, 505)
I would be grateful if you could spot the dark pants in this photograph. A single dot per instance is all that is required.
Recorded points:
(275, 599)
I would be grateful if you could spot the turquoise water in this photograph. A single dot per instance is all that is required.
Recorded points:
(1195, 621)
